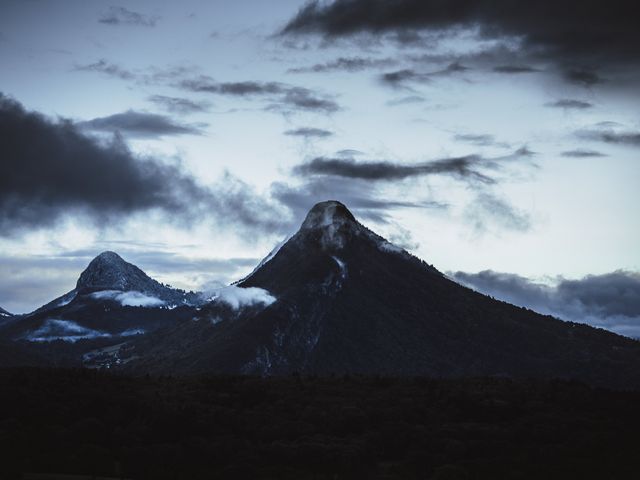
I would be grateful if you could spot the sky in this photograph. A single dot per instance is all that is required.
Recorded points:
(497, 141)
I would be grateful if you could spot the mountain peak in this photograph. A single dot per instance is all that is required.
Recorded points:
(109, 271)
(324, 214)
(109, 256)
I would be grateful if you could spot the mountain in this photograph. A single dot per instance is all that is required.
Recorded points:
(338, 298)
(113, 300)
(4, 313)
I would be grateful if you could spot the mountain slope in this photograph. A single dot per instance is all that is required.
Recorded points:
(4, 313)
(350, 302)
(112, 299)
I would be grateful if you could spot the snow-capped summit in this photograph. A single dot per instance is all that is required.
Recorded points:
(331, 223)
(328, 213)
(4, 313)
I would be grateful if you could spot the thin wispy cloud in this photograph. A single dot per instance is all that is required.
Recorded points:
(141, 124)
(179, 105)
(309, 132)
(281, 96)
(124, 16)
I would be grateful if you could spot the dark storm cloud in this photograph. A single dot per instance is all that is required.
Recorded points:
(569, 103)
(346, 64)
(179, 105)
(51, 171)
(610, 301)
(578, 37)
(123, 16)
(308, 132)
(463, 167)
(468, 168)
(107, 68)
(140, 124)
(282, 97)
(582, 153)
(514, 69)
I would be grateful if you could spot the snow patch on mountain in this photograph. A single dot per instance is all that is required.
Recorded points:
(133, 331)
(66, 299)
(342, 266)
(238, 297)
(128, 299)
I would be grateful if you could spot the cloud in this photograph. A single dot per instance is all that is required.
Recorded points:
(585, 78)
(610, 301)
(582, 153)
(481, 140)
(51, 171)
(147, 76)
(488, 210)
(123, 16)
(569, 103)
(308, 132)
(107, 68)
(129, 299)
(66, 330)
(238, 297)
(399, 78)
(282, 97)
(466, 168)
(514, 69)
(349, 152)
(140, 124)
(346, 64)
(576, 37)
(609, 135)
(179, 105)
(408, 100)
(361, 196)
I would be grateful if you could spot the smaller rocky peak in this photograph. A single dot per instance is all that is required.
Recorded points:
(110, 271)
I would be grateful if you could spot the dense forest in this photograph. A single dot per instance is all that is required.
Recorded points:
(306, 427)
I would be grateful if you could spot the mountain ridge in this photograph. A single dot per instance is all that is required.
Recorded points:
(348, 301)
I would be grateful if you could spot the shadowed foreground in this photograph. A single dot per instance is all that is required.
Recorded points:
(89, 422)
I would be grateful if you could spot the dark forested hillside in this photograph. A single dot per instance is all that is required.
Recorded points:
(299, 427)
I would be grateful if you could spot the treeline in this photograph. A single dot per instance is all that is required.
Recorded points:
(95, 423)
